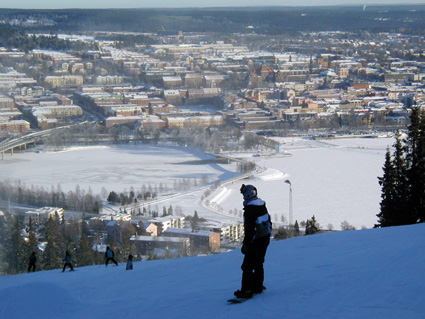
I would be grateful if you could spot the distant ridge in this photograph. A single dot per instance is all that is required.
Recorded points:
(265, 20)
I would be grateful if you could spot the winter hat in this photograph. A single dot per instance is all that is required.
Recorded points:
(248, 191)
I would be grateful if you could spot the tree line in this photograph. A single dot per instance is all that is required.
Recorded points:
(13, 38)
(267, 20)
(403, 180)
(77, 200)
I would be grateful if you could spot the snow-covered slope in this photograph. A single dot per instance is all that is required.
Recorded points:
(377, 273)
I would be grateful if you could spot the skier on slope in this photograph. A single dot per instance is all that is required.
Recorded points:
(67, 261)
(110, 256)
(257, 226)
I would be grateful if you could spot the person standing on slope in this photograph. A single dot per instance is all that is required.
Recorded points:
(67, 260)
(258, 227)
(33, 260)
(129, 265)
(110, 256)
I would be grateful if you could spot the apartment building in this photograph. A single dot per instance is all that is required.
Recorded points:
(108, 79)
(203, 94)
(200, 240)
(161, 108)
(42, 214)
(193, 80)
(120, 120)
(163, 223)
(172, 246)
(186, 121)
(57, 111)
(231, 233)
(64, 80)
(6, 102)
(172, 82)
(15, 126)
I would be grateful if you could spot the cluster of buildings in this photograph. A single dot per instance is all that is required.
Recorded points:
(171, 235)
(320, 80)
(328, 86)
(153, 237)
(25, 105)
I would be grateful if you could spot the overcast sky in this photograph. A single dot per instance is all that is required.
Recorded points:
(59, 4)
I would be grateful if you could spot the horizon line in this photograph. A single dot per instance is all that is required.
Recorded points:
(227, 7)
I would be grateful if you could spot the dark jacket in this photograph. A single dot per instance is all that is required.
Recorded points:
(33, 258)
(109, 253)
(67, 259)
(257, 222)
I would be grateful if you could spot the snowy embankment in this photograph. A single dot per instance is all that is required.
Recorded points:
(272, 174)
(223, 193)
(376, 273)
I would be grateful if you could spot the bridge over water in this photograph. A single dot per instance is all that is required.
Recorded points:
(9, 144)
(22, 141)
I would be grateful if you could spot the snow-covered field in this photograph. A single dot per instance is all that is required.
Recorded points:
(374, 273)
(335, 180)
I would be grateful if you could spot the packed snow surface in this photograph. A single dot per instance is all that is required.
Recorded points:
(374, 273)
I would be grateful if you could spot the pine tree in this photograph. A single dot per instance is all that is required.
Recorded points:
(4, 237)
(416, 169)
(312, 226)
(15, 252)
(84, 255)
(296, 229)
(194, 221)
(32, 244)
(403, 182)
(55, 248)
(386, 216)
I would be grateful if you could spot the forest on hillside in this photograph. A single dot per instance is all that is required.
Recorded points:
(261, 20)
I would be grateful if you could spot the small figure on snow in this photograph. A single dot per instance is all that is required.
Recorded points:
(67, 260)
(33, 260)
(258, 227)
(110, 256)
(129, 265)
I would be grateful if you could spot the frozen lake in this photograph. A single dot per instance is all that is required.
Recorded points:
(116, 168)
(335, 180)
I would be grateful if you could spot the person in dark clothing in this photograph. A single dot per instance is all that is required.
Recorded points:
(110, 256)
(258, 227)
(129, 265)
(33, 260)
(67, 260)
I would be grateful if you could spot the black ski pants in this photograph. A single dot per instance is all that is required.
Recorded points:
(252, 266)
(111, 259)
(67, 264)
(31, 266)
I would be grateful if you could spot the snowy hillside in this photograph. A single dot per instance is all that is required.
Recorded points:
(377, 273)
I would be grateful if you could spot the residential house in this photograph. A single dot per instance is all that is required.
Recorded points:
(200, 240)
(147, 245)
(42, 214)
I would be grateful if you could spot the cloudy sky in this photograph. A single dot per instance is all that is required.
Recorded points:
(58, 4)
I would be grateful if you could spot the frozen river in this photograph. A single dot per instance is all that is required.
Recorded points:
(335, 180)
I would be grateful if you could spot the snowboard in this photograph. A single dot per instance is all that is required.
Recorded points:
(236, 300)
